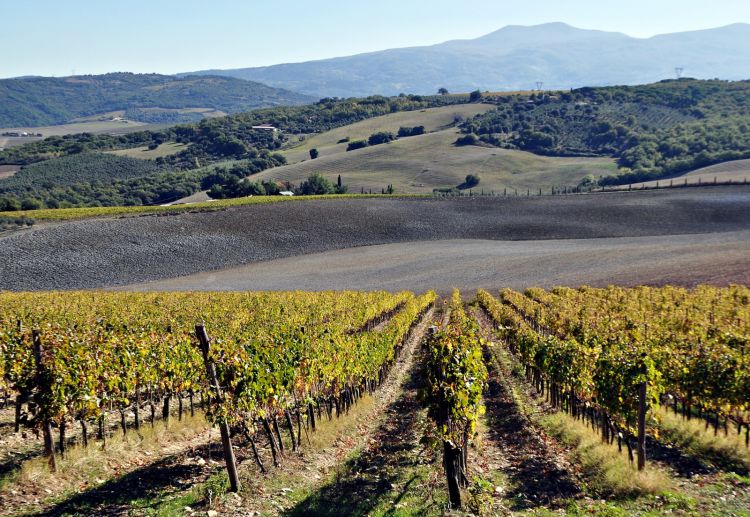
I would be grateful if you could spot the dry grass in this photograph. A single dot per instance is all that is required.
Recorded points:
(433, 119)
(145, 153)
(417, 165)
(92, 126)
(726, 451)
(610, 472)
(85, 468)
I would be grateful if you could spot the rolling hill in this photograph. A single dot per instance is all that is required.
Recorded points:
(515, 58)
(40, 101)
(335, 141)
(419, 164)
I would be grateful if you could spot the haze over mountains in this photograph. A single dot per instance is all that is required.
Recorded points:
(516, 57)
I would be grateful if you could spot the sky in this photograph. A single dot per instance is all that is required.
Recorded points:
(65, 37)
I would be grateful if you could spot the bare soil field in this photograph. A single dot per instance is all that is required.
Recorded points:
(469, 265)
(6, 171)
(106, 253)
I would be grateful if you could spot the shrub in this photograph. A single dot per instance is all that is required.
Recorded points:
(357, 144)
(411, 131)
(382, 137)
(30, 203)
(469, 139)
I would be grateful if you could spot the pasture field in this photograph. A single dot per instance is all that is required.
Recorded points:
(11, 141)
(377, 403)
(89, 126)
(144, 153)
(95, 126)
(433, 119)
(419, 164)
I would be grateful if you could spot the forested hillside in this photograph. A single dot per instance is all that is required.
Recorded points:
(39, 101)
(654, 131)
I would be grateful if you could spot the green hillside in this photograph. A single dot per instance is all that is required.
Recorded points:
(40, 101)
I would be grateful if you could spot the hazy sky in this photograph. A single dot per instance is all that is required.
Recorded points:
(56, 37)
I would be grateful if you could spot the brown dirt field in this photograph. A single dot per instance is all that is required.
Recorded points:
(472, 264)
(665, 236)
(6, 171)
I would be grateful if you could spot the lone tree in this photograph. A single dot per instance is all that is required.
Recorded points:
(472, 180)
(475, 96)
(313, 154)
(443, 91)
(340, 187)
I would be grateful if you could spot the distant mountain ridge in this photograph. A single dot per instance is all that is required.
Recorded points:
(40, 101)
(516, 58)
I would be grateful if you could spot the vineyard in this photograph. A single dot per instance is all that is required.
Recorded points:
(455, 395)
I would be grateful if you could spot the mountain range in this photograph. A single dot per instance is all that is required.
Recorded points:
(516, 58)
(40, 101)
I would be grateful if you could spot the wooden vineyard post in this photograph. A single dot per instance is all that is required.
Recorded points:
(49, 446)
(642, 406)
(234, 480)
(451, 459)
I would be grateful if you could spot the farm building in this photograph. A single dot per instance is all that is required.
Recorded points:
(265, 127)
